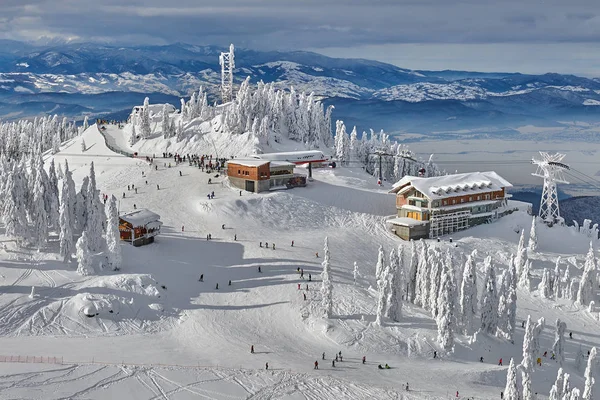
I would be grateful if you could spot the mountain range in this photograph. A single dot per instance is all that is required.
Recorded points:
(93, 79)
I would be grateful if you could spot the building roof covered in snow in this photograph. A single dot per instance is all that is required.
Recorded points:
(439, 187)
(248, 162)
(154, 108)
(294, 156)
(141, 217)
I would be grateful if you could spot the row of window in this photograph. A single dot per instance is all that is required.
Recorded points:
(462, 199)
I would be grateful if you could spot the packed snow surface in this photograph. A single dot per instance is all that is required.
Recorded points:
(153, 330)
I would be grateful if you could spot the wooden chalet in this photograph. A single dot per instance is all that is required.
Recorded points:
(440, 205)
(139, 227)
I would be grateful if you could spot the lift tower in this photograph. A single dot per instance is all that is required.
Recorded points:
(227, 65)
(551, 168)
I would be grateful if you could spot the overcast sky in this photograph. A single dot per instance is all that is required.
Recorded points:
(485, 35)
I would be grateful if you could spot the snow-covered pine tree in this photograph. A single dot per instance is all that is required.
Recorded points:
(556, 392)
(113, 238)
(394, 311)
(356, 272)
(133, 137)
(525, 277)
(557, 289)
(84, 258)
(512, 299)
(95, 215)
(145, 119)
(585, 294)
(526, 382)
(572, 290)
(83, 146)
(544, 286)
(537, 333)
(41, 218)
(72, 198)
(521, 257)
(588, 391)
(66, 232)
(14, 214)
(426, 258)
(52, 197)
(412, 273)
(503, 312)
(511, 390)
(435, 273)
(353, 150)
(528, 350)
(86, 124)
(468, 294)
(559, 342)
(381, 300)
(532, 246)
(445, 307)
(380, 267)
(566, 385)
(81, 205)
(579, 359)
(165, 123)
(56, 142)
(327, 286)
(489, 300)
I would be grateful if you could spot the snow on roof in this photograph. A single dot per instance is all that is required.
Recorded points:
(405, 221)
(248, 162)
(282, 164)
(293, 156)
(438, 187)
(140, 217)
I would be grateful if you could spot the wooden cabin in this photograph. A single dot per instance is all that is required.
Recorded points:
(139, 227)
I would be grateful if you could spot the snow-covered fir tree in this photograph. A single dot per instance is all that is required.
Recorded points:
(381, 300)
(72, 195)
(356, 272)
(81, 205)
(468, 294)
(489, 300)
(326, 286)
(579, 359)
(558, 348)
(532, 246)
(412, 273)
(544, 286)
(422, 294)
(83, 146)
(557, 287)
(526, 382)
(396, 286)
(538, 327)
(165, 123)
(84, 258)
(585, 294)
(556, 392)
(52, 197)
(146, 130)
(511, 309)
(528, 346)
(525, 277)
(41, 217)
(95, 214)
(133, 138)
(86, 124)
(521, 257)
(588, 390)
(435, 273)
(66, 233)
(380, 266)
(445, 316)
(342, 142)
(113, 238)
(14, 214)
(511, 390)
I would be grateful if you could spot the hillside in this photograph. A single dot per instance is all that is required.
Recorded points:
(201, 335)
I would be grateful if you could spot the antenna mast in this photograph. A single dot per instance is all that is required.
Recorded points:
(551, 168)
(227, 65)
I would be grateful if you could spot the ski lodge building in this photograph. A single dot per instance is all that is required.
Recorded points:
(254, 175)
(139, 227)
(440, 205)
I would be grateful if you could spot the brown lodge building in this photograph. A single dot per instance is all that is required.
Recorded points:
(436, 206)
(254, 175)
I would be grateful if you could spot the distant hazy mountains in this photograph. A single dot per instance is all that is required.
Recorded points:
(78, 79)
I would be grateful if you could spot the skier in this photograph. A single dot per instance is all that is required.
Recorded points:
(128, 187)
(123, 194)
(480, 359)
(273, 246)
(132, 186)
(545, 354)
(501, 395)
(457, 394)
(302, 273)
(317, 254)
(523, 324)
(333, 363)
(435, 354)
(387, 366)
(259, 270)
(180, 173)
(240, 192)
(157, 187)
(309, 277)
(307, 286)
(135, 191)
(379, 366)
(201, 278)
(229, 282)
(341, 359)
(364, 359)
(260, 244)
(539, 361)
(252, 349)
(407, 386)
(234, 237)
(217, 287)
(570, 333)
(298, 286)
(146, 182)
(209, 181)
(223, 226)
(500, 362)
(267, 366)
(182, 228)
(134, 207)
(292, 243)
(209, 236)
(316, 365)
(323, 355)
(340, 353)
(304, 296)
(336, 357)
(267, 245)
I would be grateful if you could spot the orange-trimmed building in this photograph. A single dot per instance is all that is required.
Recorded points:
(436, 206)
(257, 176)
(139, 227)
